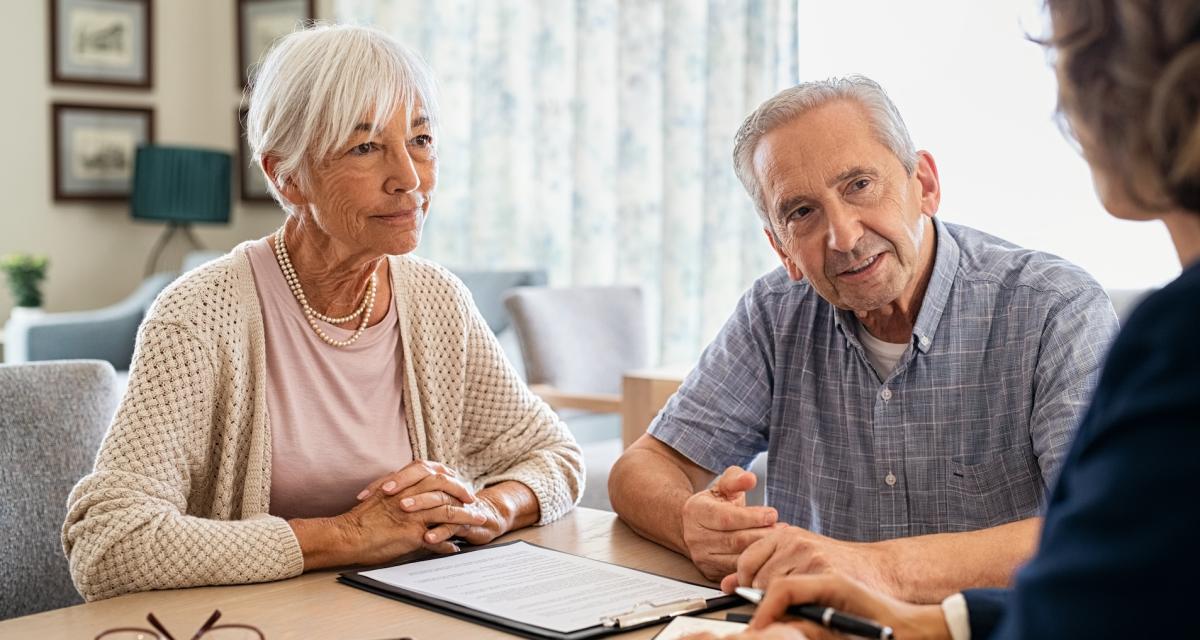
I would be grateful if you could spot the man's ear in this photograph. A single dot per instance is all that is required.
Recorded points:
(931, 185)
(792, 268)
(287, 188)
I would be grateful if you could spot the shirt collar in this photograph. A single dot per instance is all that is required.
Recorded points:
(937, 293)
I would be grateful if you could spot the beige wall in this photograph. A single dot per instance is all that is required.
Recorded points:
(97, 253)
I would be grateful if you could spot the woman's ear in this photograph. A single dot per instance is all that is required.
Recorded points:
(287, 187)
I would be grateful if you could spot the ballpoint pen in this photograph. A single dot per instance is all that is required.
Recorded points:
(827, 617)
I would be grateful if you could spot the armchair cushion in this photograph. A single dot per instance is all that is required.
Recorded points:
(55, 414)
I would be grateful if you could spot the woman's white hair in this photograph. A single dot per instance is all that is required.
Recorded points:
(316, 85)
(795, 101)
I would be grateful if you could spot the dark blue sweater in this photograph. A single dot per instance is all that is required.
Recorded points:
(1120, 550)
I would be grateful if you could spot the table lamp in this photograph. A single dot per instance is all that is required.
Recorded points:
(180, 185)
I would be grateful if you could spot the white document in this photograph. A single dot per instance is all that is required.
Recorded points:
(685, 626)
(542, 587)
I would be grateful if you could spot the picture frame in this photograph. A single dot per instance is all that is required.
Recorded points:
(252, 182)
(102, 43)
(260, 23)
(93, 149)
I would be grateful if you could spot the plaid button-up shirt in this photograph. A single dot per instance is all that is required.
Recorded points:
(965, 433)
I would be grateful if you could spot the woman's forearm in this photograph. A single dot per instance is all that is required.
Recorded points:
(324, 542)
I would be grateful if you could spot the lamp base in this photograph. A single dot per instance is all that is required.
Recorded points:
(173, 227)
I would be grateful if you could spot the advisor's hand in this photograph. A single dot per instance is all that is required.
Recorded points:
(909, 621)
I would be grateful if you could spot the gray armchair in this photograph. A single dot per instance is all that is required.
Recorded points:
(55, 414)
(103, 334)
(577, 343)
(488, 289)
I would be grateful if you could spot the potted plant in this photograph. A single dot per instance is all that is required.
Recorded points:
(25, 273)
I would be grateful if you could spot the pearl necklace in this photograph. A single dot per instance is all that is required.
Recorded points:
(289, 274)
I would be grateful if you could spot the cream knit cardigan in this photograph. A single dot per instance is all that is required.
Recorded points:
(180, 492)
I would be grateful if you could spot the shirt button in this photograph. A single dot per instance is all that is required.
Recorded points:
(886, 394)
(924, 341)
(890, 479)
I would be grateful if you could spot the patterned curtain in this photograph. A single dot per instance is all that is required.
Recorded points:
(592, 138)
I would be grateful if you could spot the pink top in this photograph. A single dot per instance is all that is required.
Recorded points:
(336, 414)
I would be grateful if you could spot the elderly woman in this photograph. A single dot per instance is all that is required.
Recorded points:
(318, 397)
(1118, 555)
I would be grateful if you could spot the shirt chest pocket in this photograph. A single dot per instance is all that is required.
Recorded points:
(1007, 486)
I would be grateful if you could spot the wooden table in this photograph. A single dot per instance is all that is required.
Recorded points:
(315, 606)
(643, 394)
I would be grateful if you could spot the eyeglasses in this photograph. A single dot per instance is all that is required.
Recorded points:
(210, 630)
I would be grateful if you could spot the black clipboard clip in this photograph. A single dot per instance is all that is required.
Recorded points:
(649, 612)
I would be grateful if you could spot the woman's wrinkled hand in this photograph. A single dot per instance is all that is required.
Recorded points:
(423, 483)
(379, 529)
(425, 486)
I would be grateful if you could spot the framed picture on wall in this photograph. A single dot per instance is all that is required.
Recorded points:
(260, 23)
(253, 182)
(101, 42)
(94, 147)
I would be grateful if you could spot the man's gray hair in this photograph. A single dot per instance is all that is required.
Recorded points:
(795, 101)
(316, 85)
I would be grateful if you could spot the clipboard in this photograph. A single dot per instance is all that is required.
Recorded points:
(644, 615)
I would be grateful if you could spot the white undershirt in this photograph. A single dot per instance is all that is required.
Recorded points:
(883, 355)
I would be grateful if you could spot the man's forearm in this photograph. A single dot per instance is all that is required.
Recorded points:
(928, 568)
(648, 495)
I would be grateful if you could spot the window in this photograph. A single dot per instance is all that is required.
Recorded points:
(980, 97)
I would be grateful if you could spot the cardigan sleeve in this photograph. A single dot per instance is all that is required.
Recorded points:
(128, 526)
(510, 433)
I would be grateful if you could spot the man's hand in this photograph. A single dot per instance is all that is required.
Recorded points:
(718, 526)
(793, 550)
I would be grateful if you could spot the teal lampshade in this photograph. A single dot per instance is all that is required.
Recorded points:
(180, 184)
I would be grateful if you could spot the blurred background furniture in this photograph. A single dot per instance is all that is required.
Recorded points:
(576, 344)
(181, 186)
(488, 289)
(644, 392)
(101, 334)
(55, 414)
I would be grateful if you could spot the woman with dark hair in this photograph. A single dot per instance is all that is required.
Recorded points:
(1118, 556)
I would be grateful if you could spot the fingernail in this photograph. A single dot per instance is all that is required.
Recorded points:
(362, 494)
(408, 502)
(431, 536)
(455, 547)
(389, 485)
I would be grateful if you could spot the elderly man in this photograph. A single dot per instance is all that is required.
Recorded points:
(915, 382)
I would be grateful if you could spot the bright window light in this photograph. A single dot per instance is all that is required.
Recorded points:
(980, 97)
